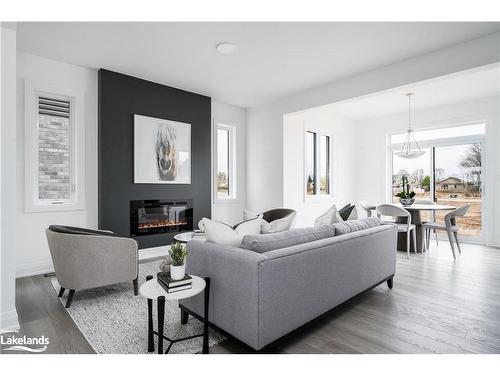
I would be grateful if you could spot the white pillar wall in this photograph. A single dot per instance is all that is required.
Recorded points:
(9, 319)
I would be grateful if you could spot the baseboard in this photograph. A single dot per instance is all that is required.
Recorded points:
(34, 268)
(9, 321)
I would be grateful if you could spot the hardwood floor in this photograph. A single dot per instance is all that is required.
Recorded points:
(437, 305)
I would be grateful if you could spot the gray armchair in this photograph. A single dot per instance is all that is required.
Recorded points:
(85, 258)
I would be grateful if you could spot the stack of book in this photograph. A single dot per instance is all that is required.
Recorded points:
(171, 285)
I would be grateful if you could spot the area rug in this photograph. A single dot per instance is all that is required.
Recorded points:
(114, 320)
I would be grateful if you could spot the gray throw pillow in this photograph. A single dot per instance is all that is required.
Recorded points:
(344, 227)
(266, 242)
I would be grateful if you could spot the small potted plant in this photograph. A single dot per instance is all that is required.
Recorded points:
(406, 197)
(178, 253)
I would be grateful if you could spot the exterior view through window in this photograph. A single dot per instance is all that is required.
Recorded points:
(317, 164)
(226, 162)
(449, 172)
(310, 163)
(222, 162)
(54, 154)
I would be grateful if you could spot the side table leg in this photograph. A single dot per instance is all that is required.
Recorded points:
(161, 320)
(205, 319)
(151, 343)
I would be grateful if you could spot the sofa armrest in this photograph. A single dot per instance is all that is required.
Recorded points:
(234, 295)
(84, 261)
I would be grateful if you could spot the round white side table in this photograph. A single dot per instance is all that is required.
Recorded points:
(188, 236)
(152, 290)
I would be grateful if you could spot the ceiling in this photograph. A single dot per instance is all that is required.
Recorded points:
(454, 88)
(274, 60)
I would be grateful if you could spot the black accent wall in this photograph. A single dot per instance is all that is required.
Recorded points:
(120, 97)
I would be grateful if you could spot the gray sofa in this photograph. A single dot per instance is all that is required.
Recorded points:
(258, 296)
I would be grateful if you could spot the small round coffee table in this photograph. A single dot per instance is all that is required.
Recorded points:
(184, 237)
(152, 290)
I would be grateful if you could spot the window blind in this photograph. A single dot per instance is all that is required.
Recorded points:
(53, 107)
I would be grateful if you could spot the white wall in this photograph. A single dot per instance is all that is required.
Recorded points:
(372, 169)
(32, 250)
(231, 211)
(342, 133)
(8, 313)
(265, 123)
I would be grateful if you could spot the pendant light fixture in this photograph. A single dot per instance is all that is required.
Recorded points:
(411, 148)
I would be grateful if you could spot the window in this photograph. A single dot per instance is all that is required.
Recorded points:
(317, 164)
(449, 172)
(225, 181)
(54, 148)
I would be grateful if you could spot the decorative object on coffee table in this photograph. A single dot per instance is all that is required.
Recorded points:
(165, 265)
(178, 253)
(152, 290)
(406, 197)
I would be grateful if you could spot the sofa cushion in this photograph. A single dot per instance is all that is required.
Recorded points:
(349, 226)
(226, 235)
(82, 231)
(271, 241)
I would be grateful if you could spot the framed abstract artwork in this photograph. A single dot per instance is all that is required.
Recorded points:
(162, 151)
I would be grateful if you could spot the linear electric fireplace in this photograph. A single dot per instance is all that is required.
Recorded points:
(160, 216)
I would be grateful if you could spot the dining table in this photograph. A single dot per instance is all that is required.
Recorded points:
(416, 219)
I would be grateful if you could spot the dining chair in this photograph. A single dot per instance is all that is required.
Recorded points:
(450, 226)
(366, 207)
(430, 203)
(395, 211)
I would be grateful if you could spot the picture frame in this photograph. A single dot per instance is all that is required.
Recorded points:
(162, 151)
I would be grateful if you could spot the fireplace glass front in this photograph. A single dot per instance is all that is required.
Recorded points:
(160, 216)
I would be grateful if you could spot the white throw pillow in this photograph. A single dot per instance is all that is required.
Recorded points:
(354, 214)
(226, 235)
(329, 217)
(278, 225)
(247, 214)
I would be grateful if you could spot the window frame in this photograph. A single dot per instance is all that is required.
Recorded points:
(232, 197)
(77, 147)
(443, 142)
(317, 157)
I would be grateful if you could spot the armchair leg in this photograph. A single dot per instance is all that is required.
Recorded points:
(61, 292)
(136, 286)
(390, 283)
(70, 298)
